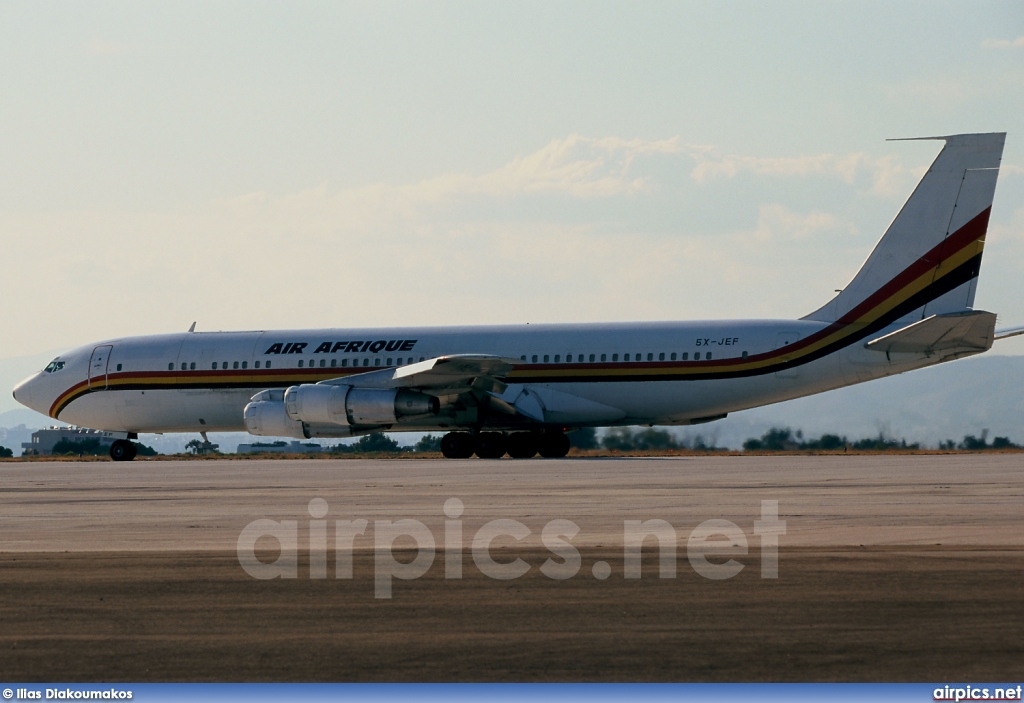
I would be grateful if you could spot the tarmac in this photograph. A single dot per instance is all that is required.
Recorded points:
(889, 568)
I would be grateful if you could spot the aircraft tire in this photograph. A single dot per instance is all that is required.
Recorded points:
(490, 445)
(122, 450)
(553, 445)
(522, 445)
(458, 445)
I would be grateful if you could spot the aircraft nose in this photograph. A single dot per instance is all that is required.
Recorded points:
(23, 393)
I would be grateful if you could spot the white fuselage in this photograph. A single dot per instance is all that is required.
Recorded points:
(655, 373)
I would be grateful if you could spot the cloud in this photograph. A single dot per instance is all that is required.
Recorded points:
(776, 222)
(1017, 43)
(888, 178)
(584, 167)
(581, 229)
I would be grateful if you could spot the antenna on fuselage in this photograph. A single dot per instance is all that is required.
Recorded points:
(192, 328)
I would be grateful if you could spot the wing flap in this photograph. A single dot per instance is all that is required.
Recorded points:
(548, 405)
(972, 330)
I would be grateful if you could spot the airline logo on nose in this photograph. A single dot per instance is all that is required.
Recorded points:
(359, 347)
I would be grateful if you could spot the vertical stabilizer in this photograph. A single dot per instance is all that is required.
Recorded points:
(928, 260)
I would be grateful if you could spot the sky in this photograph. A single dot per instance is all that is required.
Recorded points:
(258, 165)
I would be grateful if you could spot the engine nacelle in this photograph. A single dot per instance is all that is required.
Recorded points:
(316, 404)
(265, 416)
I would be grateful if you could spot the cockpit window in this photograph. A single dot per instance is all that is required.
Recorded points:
(54, 366)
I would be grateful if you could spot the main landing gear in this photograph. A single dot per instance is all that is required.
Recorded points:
(123, 450)
(494, 445)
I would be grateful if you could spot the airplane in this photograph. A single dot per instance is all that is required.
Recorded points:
(518, 389)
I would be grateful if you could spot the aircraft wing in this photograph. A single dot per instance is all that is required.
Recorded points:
(972, 330)
(441, 375)
(482, 376)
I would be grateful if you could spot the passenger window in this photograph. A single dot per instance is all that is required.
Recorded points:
(615, 357)
(170, 367)
(546, 357)
(673, 356)
(312, 363)
(376, 362)
(301, 363)
(389, 363)
(558, 358)
(192, 366)
(399, 362)
(744, 355)
(625, 357)
(591, 357)
(119, 367)
(268, 364)
(184, 366)
(344, 363)
(257, 364)
(696, 356)
(535, 358)
(245, 364)
(604, 357)
(686, 355)
(323, 363)
(366, 362)
(234, 365)
(215, 366)
(523, 357)
(650, 357)
(568, 358)
(224, 365)
(334, 362)
(707, 355)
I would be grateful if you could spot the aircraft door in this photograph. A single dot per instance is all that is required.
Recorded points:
(97, 375)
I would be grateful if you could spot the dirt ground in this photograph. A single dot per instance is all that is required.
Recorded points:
(836, 614)
(892, 568)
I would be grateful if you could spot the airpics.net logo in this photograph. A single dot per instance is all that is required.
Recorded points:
(712, 547)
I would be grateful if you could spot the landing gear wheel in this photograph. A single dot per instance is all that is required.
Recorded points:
(553, 445)
(521, 445)
(490, 445)
(122, 450)
(458, 445)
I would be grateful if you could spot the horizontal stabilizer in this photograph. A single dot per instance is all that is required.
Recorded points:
(971, 330)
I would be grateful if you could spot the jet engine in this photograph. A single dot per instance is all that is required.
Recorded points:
(316, 404)
(265, 416)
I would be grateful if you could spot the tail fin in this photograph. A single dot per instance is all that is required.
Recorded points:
(928, 260)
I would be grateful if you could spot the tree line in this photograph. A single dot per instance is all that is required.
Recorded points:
(622, 439)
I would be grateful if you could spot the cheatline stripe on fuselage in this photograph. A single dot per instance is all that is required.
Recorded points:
(921, 282)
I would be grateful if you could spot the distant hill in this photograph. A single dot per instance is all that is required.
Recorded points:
(927, 406)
